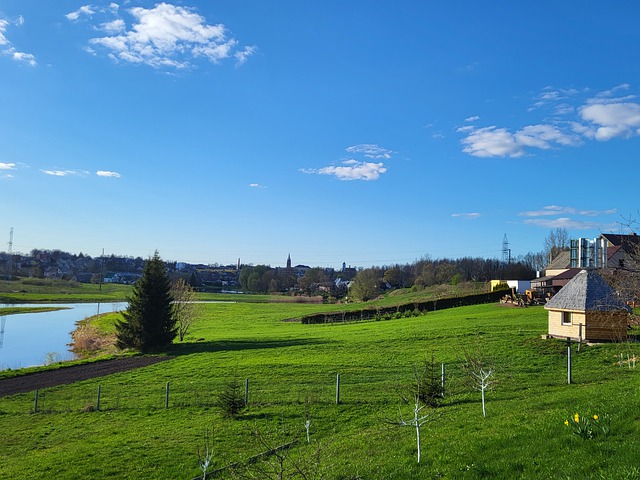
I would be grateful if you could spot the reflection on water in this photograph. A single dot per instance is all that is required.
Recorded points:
(29, 339)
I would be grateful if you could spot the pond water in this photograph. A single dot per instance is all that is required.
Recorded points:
(29, 339)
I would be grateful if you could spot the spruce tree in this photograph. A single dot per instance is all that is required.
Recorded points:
(149, 324)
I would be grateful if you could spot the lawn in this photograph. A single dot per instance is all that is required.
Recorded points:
(291, 370)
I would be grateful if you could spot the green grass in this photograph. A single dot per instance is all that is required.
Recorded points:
(523, 436)
(34, 290)
(18, 310)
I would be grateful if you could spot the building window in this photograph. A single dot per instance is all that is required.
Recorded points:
(566, 318)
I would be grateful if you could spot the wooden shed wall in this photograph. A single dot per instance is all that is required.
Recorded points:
(606, 326)
(558, 329)
(611, 326)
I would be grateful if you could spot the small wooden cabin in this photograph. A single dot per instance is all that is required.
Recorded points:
(587, 308)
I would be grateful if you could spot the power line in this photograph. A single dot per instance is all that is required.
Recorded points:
(10, 253)
(506, 251)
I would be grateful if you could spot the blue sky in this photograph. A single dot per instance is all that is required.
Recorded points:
(368, 132)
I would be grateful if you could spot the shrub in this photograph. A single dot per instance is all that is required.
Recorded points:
(231, 399)
(500, 286)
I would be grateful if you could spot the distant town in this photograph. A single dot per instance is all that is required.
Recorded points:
(60, 265)
(544, 272)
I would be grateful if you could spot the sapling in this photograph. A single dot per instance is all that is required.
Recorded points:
(417, 421)
(482, 383)
(307, 416)
(424, 392)
(480, 375)
(206, 455)
(232, 398)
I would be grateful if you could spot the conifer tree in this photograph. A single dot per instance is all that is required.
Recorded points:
(149, 324)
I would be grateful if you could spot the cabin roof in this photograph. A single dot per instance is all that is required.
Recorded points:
(586, 292)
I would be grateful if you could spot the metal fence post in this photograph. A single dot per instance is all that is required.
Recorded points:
(569, 360)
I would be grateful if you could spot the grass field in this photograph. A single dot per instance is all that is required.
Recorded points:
(37, 290)
(292, 369)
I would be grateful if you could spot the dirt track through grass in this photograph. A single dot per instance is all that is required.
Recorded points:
(75, 373)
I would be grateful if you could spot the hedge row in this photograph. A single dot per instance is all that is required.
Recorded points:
(397, 311)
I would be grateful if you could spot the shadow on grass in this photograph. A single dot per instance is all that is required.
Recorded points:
(236, 345)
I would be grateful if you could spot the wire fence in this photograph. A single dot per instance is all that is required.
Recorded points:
(353, 388)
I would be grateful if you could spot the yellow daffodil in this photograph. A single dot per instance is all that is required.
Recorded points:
(595, 417)
(566, 422)
(576, 418)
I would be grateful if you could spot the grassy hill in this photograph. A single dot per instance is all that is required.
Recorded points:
(292, 370)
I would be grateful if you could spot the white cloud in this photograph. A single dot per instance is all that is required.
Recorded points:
(468, 216)
(614, 90)
(500, 142)
(550, 95)
(370, 150)
(3, 28)
(256, 185)
(567, 217)
(86, 10)
(352, 170)
(552, 210)
(107, 173)
(165, 36)
(9, 50)
(491, 142)
(563, 222)
(605, 115)
(7, 166)
(241, 56)
(472, 119)
(61, 173)
(543, 136)
(610, 120)
(115, 26)
(25, 58)
(563, 109)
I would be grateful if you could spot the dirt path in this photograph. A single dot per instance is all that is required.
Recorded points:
(76, 373)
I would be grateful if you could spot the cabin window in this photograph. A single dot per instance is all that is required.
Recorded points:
(566, 318)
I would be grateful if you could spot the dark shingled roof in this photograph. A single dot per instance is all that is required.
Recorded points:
(586, 292)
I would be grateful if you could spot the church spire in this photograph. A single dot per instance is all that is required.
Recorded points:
(289, 261)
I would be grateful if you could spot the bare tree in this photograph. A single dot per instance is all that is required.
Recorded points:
(184, 306)
(424, 391)
(280, 460)
(557, 241)
(417, 421)
(481, 376)
(205, 456)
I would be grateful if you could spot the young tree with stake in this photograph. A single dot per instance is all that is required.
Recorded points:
(480, 375)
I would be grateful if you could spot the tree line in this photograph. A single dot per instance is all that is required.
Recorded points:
(367, 283)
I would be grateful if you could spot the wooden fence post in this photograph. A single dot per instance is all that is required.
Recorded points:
(246, 392)
(98, 400)
(338, 389)
(443, 379)
(35, 401)
(166, 396)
